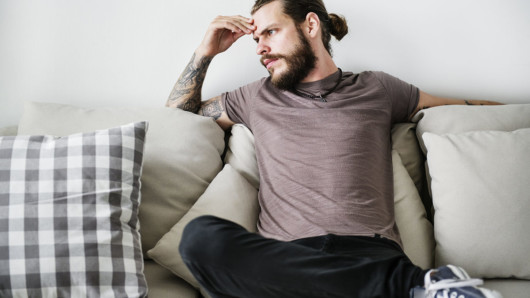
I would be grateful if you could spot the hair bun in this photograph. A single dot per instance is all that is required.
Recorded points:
(338, 27)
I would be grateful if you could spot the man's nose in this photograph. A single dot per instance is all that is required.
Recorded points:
(262, 48)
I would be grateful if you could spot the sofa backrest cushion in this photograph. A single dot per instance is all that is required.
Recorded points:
(182, 154)
(456, 119)
(8, 131)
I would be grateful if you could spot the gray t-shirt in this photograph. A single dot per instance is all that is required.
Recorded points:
(325, 167)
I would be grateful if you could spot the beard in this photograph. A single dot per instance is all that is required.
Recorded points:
(299, 63)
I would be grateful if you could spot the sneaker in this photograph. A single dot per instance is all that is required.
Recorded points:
(453, 282)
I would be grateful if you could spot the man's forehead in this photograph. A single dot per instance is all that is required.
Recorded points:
(269, 15)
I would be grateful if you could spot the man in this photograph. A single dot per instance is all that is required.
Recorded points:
(326, 226)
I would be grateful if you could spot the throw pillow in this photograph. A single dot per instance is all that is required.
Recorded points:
(68, 214)
(481, 198)
(182, 154)
(229, 196)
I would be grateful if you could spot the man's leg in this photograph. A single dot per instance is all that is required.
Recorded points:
(228, 261)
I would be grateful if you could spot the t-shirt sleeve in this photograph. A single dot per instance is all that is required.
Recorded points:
(238, 103)
(403, 96)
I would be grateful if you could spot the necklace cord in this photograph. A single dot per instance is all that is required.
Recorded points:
(321, 97)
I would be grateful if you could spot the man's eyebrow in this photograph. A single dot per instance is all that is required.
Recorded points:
(264, 30)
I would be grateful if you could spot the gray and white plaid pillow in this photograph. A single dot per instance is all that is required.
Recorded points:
(68, 214)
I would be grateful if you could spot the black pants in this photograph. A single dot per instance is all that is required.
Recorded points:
(228, 261)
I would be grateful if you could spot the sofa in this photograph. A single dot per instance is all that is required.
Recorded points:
(461, 195)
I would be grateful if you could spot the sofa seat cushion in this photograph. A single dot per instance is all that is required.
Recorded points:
(509, 288)
(182, 154)
(162, 283)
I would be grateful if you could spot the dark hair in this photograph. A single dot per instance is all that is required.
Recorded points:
(331, 24)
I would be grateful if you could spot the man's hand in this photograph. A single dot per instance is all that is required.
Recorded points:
(186, 94)
(222, 33)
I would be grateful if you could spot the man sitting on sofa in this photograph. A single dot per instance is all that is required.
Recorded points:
(323, 146)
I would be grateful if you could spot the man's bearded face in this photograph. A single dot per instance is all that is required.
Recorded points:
(298, 64)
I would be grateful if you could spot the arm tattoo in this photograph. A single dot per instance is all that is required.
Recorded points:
(212, 108)
(476, 102)
(186, 93)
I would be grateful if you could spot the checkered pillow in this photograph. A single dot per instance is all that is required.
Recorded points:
(68, 214)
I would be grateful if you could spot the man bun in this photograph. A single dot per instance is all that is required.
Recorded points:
(331, 24)
(338, 26)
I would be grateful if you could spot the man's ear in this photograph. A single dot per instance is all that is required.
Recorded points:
(312, 24)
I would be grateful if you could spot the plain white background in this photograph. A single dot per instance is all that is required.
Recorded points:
(130, 52)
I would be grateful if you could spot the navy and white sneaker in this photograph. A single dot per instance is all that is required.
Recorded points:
(453, 282)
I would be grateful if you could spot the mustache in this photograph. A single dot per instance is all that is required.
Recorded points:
(265, 57)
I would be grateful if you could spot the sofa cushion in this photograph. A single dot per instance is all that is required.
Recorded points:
(480, 193)
(229, 196)
(405, 143)
(456, 118)
(162, 283)
(69, 214)
(411, 218)
(509, 288)
(182, 154)
(241, 154)
(8, 131)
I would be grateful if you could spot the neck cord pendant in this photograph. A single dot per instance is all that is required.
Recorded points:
(320, 97)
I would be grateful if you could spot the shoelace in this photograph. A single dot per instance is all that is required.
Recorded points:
(431, 289)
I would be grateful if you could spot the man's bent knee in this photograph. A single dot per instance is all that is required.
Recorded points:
(201, 237)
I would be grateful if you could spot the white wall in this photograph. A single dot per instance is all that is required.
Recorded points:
(130, 52)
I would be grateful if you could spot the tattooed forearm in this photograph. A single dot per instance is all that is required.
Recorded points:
(186, 93)
(481, 102)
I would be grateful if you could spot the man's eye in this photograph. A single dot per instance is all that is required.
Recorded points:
(271, 32)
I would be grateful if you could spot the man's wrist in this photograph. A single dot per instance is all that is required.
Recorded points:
(201, 53)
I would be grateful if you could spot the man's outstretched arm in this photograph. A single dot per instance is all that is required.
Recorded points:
(428, 101)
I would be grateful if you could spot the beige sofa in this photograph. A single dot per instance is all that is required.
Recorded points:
(478, 173)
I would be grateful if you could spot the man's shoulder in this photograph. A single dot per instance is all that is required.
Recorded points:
(367, 74)
(379, 76)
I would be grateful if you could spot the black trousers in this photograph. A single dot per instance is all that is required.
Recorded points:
(229, 261)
